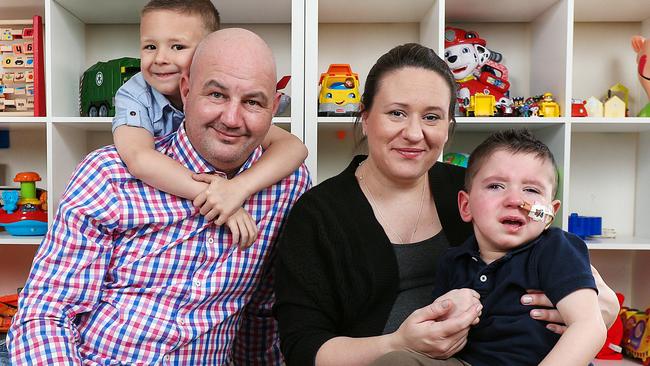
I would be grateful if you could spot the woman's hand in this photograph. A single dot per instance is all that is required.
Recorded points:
(535, 298)
(606, 299)
(425, 332)
(462, 299)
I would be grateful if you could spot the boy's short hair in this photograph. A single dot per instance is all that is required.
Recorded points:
(514, 141)
(204, 8)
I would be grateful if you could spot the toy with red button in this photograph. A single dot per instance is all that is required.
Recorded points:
(476, 68)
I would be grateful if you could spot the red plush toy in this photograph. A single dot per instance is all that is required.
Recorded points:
(612, 348)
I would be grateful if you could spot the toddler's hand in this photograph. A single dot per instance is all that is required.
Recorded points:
(462, 299)
(221, 200)
(243, 228)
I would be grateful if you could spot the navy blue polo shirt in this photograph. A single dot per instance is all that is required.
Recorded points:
(556, 263)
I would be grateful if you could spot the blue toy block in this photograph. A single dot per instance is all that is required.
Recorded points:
(585, 226)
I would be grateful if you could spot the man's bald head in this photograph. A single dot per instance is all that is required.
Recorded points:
(238, 48)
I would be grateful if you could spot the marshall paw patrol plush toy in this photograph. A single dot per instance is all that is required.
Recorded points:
(475, 67)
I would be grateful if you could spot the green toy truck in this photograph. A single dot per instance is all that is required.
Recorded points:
(99, 84)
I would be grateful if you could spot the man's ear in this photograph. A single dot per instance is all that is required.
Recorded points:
(276, 102)
(184, 86)
(463, 206)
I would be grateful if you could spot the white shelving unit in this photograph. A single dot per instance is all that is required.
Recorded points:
(572, 48)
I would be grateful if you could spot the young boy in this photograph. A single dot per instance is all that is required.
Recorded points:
(511, 180)
(149, 105)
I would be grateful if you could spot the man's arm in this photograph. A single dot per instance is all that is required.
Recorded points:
(67, 273)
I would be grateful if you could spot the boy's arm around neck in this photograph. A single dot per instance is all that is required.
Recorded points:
(136, 148)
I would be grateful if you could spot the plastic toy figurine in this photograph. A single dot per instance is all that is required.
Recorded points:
(285, 100)
(505, 107)
(475, 67)
(578, 108)
(481, 105)
(528, 107)
(642, 48)
(612, 349)
(337, 97)
(548, 107)
(99, 85)
(24, 214)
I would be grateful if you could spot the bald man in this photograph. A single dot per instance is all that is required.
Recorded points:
(128, 274)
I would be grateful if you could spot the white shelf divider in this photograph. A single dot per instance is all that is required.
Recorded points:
(6, 239)
(623, 243)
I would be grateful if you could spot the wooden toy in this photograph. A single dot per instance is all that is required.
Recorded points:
(594, 107)
(22, 85)
(614, 107)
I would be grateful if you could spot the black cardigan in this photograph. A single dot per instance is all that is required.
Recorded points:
(336, 273)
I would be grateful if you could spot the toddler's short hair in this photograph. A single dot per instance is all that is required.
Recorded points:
(514, 141)
(204, 8)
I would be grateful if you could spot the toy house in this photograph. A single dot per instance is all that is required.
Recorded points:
(620, 91)
(614, 107)
(594, 107)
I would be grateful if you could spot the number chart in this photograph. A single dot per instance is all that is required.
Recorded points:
(22, 90)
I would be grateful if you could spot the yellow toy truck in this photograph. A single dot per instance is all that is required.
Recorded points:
(339, 92)
(481, 105)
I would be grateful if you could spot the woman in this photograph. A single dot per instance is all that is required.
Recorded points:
(357, 257)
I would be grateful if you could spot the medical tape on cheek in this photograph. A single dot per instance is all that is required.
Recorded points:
(539, 212)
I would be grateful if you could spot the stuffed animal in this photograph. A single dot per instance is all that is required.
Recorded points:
(641, 46)
(612, 348)
(476, 68)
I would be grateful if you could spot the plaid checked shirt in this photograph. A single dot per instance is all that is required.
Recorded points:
(131, 275)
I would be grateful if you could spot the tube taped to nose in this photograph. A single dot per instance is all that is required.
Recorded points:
(539, 212)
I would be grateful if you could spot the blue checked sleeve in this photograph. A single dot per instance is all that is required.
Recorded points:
(67, 273)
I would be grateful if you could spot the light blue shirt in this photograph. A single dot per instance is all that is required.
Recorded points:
(138, 104)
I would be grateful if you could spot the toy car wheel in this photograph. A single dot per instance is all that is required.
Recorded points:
(103, 110)
(92, 111)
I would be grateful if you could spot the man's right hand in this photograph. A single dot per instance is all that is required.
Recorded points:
(425, 332)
